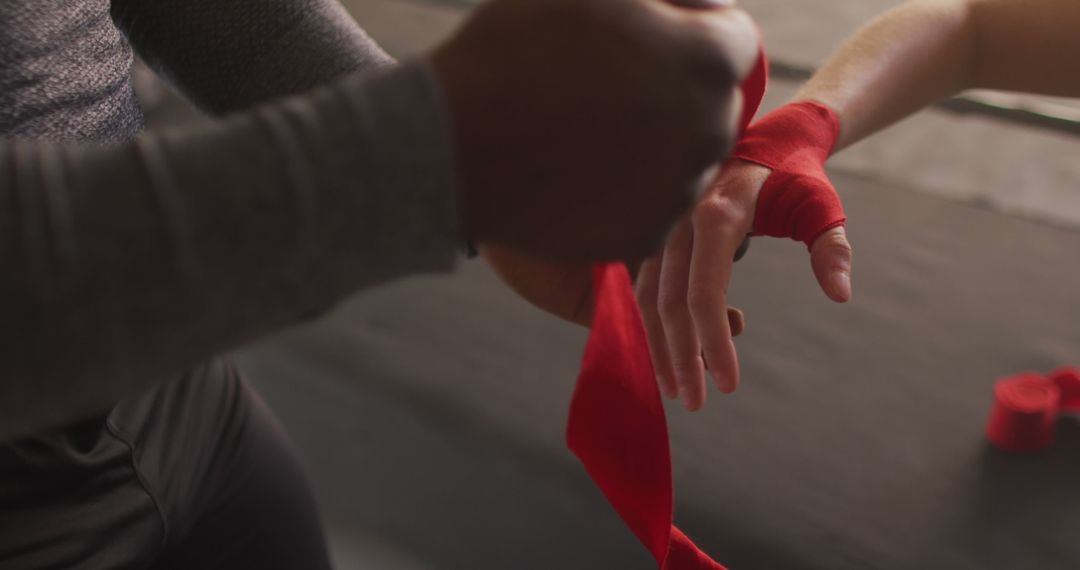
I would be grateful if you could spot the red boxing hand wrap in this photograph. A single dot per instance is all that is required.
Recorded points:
(797, 200)
(1026, 406)
(616, 424)
(753, 90)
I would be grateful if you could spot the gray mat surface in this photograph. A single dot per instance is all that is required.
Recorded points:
(432, 411)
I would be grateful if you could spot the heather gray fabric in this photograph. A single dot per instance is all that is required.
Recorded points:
(125, 264)
(227, 56)
(127, 261)
(64, 72)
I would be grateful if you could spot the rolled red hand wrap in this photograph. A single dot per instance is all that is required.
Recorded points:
(797, 200)
(1067, 379)
(1026, 407)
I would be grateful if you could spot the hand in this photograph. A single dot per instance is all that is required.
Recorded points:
(683, 290)
(564, 290)
(585, 128)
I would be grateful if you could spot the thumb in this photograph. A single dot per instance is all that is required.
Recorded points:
(830, 257)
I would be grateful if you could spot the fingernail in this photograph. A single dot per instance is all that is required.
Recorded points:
(840, 281)
(723, 383)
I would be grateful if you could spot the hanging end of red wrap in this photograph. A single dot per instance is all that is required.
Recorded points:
(617, 425)
(1025, 408)
(753, 89)
(683, 554)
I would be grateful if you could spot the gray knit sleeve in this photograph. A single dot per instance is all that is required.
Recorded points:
(124, 264)
(229, 55)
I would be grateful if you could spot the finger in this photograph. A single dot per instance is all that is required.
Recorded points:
(648, 290)
(682, 340)
(736, 321)
(710, 273)
(830, 257)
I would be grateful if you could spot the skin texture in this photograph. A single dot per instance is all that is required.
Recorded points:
(592, 146)
(532, 279)
(909, 57)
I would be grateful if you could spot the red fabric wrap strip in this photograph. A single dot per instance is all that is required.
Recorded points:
(753, 90)
(616, 424)
(797, 200)
(1027, 405)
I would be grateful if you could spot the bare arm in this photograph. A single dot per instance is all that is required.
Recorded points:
(926, 50)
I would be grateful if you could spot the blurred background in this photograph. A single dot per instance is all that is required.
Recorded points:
(431, 412)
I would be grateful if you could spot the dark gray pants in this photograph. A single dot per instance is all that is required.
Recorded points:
(195, 474)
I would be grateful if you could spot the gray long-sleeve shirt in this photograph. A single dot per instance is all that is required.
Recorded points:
(122, 264)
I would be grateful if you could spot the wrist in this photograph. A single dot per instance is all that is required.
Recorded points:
(800, 127)
(796, 200)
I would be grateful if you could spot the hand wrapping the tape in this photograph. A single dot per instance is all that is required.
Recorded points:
(775, 185)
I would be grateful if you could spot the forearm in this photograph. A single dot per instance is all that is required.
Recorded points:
(125, 264)
(927, 50)
(909, 57)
